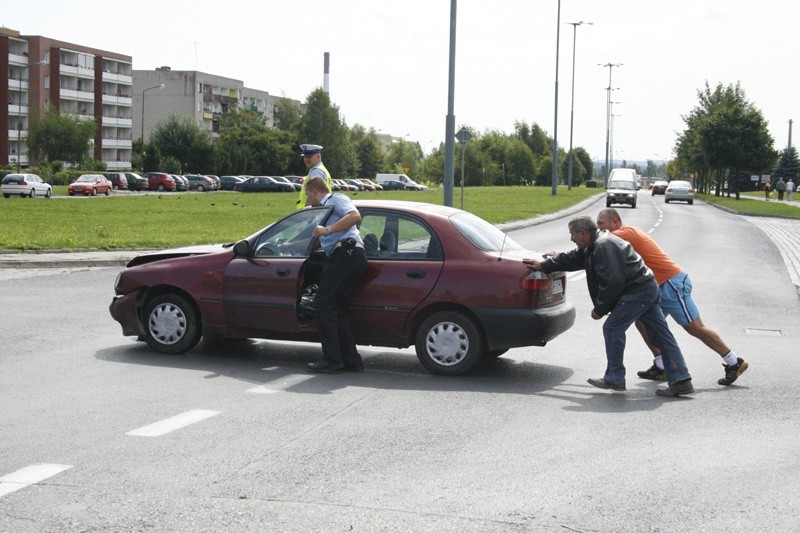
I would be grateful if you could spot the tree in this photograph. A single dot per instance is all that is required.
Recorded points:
(181, 137)
(403, 154)
(288, 114)
(369, 152)
(246, 145)
(57, 137)
(322, 125)
(788, 164)
(586, 162)
(725, 134)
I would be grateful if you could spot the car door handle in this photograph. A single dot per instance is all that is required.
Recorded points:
(284, 271)
(415, 274)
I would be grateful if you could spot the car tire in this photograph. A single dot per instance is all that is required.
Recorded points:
(6, 195)
(94, 192)
(108, 192)
(200, 188)
(161, 187)
(171, 324)
(633, 205)
(32, 194)
(49, 193)
(691, 202)
(448, 343)
(116, 187)
(608, 204)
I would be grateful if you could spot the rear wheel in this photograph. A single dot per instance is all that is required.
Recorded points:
(666, 200)
(108, 192)
(172, 324)
(608, 204)
(32, 194)
(200, 188)
(6, 195)
(94, 192)
(161, 187)
(691, 202)
(448, 343)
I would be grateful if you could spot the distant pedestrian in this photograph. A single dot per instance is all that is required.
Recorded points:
(789, 190)
(312, 158)
(780, 187)
(766, 192)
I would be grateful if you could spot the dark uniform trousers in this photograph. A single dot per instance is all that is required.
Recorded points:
(340, 275)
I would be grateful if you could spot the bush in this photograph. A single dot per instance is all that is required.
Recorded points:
(595, 184)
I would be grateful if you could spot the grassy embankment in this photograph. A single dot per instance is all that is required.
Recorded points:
(159, 220)
(747, 205)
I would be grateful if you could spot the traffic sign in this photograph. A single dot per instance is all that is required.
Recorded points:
(463, 135)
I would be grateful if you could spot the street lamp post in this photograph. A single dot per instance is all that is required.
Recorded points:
(450, 121)
(161, 86)
(608, 110)
(19, 112)
(572, 110)
(554, 173)
(611, 137)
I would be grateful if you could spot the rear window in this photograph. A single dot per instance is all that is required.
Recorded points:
(13, 178)
(482, 234)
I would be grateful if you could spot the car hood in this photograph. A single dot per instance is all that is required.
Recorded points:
(173, 253)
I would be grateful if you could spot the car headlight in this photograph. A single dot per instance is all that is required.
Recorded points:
(116, 282)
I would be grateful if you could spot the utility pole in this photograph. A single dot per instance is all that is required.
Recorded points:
(608, 112)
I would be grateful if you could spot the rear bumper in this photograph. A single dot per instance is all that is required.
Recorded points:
(512, 328)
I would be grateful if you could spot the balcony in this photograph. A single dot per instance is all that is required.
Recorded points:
(117, 78)
(126, 101)
(16, 135)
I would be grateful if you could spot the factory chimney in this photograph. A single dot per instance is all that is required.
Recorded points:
(325, 84)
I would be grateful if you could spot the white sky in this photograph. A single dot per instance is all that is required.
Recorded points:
(389, 59)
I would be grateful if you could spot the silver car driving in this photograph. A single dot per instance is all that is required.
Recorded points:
(680, 191)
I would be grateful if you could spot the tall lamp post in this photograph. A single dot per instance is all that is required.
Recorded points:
(572, 110)
(161, 86)
(611, 142)
(450, 121)
(554, 173)
(608, 110)
(19, 111)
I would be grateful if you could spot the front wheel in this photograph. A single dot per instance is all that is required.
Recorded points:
(161, 187)
(108, 192)
(49, 193)
(172, 324)
(200, 188)
(666, 201)
(448, 343)
(94, 192)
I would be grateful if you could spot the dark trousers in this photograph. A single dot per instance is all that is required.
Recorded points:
(340, 276)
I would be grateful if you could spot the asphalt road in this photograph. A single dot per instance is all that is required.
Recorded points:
(238, 437)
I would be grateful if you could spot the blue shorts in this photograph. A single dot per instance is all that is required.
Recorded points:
(677, 301)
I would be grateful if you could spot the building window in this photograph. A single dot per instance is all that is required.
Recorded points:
(47, 81)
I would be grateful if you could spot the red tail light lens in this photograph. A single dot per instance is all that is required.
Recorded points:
(536, 281)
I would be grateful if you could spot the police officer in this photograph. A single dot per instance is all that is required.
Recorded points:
(312, 157)
(344, 267)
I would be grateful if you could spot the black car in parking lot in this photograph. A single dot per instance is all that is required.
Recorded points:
(227, 183)
(136, 182)
(263, 184)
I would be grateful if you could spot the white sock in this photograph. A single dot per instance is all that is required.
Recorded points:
(659, 362)
(730, 358)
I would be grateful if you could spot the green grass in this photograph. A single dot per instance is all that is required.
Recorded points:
(750, 206)
(159, 220)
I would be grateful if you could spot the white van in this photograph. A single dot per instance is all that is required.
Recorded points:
(622, 187)
(402, 178)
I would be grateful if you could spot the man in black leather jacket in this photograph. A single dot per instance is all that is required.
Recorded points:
(622, 287)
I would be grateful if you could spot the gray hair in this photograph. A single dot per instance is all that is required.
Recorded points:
(584, 223)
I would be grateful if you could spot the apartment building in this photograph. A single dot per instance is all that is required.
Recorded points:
(202, 96)
(91, 84)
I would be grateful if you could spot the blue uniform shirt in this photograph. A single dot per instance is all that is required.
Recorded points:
(341, 206)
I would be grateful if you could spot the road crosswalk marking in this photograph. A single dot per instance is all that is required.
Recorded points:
(280, 384)
(28, 476)
(167, 425)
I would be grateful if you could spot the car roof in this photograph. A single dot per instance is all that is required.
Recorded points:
(403, 205)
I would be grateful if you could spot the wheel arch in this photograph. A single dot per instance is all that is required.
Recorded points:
(423, 314)
(153, 292)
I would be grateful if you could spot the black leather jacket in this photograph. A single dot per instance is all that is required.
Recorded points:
(612, 267)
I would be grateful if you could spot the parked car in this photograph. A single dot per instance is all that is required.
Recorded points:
(680, 191)
(343, 185)
(296, 179)
(200, 183)
(136, 182)
(659, 187)
(181, 183)
(368, 186)
(281, 179)
(465, 292)
(228, 182)
(90, 185)
(118, 180)
(216, 180)
(30, 185)
(263, 184)
(621, 192)
(355, 183)
(377, 186)
(392, 185)
(159, 181)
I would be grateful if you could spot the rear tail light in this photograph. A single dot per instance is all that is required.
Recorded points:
(691, 190)
(536, 281)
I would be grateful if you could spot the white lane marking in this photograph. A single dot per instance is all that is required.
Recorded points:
(28, 476)
(172, 423)
(280, 384)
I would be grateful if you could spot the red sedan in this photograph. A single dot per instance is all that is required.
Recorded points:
(438, 278)
(90, 185)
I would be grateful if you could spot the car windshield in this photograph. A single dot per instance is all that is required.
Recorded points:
(482, 234)
(627, 185)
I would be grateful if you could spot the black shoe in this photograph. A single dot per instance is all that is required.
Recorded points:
(678, 389)
(732, 372)
(322, 367)
(654, 373)
(603, 384)
(354, 367)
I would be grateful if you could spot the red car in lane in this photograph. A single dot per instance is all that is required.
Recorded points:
(438, 278)
(90, 185)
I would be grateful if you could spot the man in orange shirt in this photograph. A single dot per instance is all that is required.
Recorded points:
(676, 299)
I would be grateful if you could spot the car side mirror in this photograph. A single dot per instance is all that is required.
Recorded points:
(241, 249)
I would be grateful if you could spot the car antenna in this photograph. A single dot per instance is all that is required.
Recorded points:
(502, 247)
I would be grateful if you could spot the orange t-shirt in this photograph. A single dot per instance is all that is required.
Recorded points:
(654, 257)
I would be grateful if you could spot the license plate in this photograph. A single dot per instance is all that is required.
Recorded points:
(557, 287)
